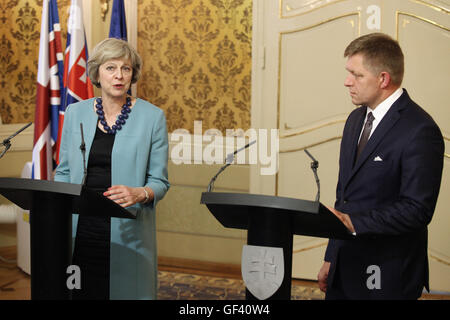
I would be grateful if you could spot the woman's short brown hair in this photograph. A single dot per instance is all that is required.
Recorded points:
(112, 48)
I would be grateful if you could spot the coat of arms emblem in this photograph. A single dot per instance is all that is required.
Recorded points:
(262, 270)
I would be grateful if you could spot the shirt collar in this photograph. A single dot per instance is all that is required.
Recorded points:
(384, 106)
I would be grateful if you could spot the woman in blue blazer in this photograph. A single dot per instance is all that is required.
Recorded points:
(126, 158)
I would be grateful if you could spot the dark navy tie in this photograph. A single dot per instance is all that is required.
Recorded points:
(366, 133)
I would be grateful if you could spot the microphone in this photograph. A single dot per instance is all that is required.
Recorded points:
(228, 160)
(7, 142)
(314, 166)
(83, 152)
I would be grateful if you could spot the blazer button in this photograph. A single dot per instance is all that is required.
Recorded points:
(345, 201)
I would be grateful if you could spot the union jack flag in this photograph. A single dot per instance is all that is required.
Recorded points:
(48, 96)
(77, 85)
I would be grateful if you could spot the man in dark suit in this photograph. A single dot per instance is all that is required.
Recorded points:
(390, 172)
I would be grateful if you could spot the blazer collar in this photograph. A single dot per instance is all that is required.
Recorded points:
(388, 121)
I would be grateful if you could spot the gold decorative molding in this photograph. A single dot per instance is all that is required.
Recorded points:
(446, 155)
(329, 140)
(104, 7)
(280, 36)
(397, 17)
(286, 127)
(288, 8)
(301, 149)
(358, 13)
(316, 144)
(310, 247)
(432, 6)
(311, 145)
(440, 260)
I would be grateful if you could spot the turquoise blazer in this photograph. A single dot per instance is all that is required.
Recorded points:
(139, 158)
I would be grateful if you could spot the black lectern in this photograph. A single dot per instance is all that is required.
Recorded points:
(272, 222)
(51, 205)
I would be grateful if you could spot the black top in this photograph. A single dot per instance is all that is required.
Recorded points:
(99, 164)
(92, 243)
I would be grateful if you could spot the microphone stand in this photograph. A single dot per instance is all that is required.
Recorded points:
(314, 166)
(83, 152)
(228, 161)
(7, 142)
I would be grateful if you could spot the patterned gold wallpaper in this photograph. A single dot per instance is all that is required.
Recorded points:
(197, 61)
(19, 52)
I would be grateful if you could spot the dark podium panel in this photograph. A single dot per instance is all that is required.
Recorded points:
(51, 205)
(273, 221)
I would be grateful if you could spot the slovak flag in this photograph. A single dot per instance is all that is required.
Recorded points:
(48, 96)
(77, 85)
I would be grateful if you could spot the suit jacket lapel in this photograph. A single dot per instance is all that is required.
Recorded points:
(352, 143)
(388, 121)
(385, 125)
(89, 119)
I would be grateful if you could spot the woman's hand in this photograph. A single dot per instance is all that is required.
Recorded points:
(128, 196)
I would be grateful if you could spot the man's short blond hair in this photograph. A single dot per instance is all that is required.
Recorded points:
(380, 53)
